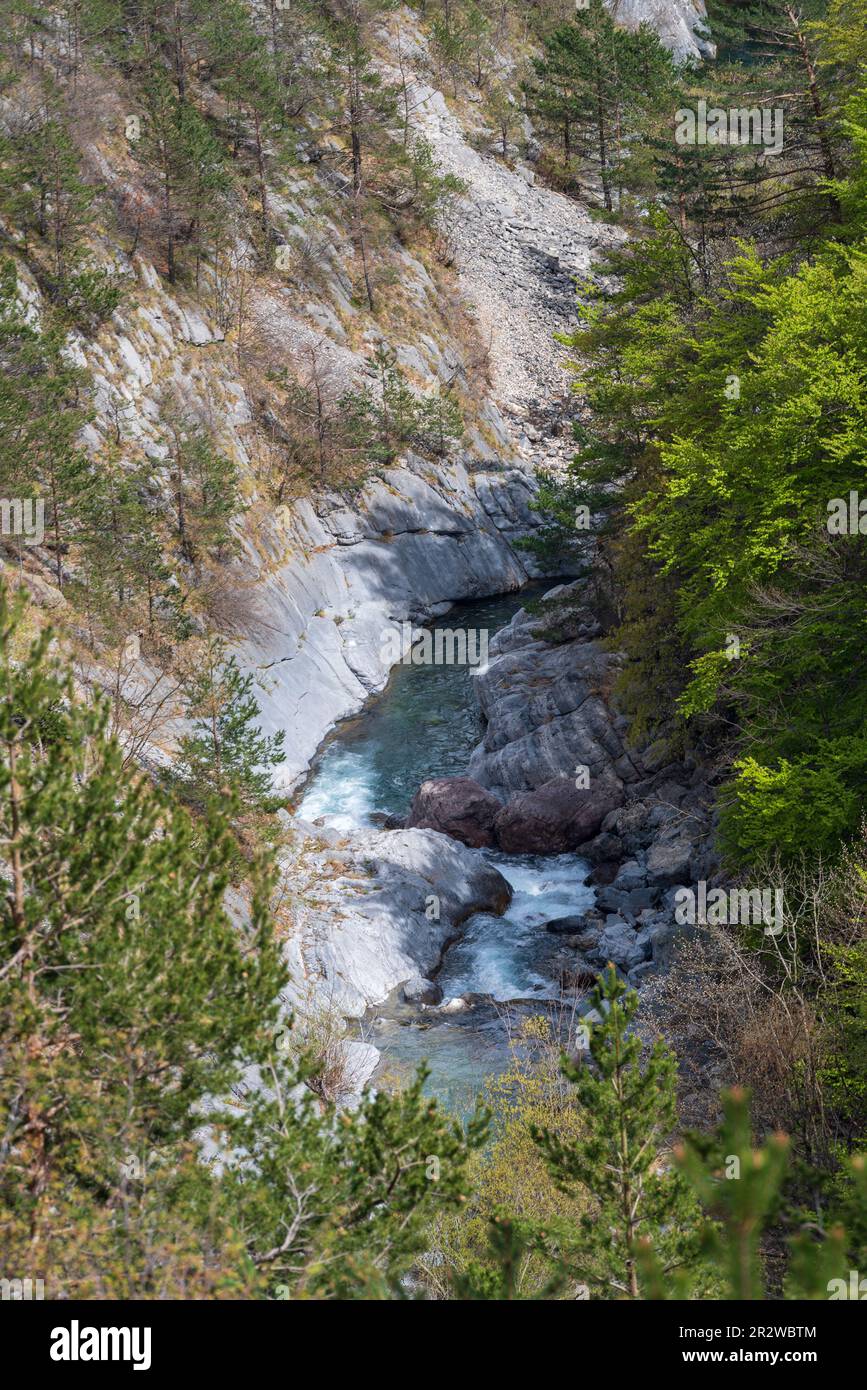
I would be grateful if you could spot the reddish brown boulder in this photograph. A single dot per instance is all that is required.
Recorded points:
(553, 819)
(457, 806)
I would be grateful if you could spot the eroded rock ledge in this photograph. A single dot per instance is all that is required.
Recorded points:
(378, 911)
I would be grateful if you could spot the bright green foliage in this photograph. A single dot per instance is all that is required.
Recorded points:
(741, 1189)
(777, 807)
(739, 520)
(498, 1278)
(515, 1199)
(733, 423)
(126, 993)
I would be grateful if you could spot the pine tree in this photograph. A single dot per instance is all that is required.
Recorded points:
(226, 749)
(127, 995)
(631, 1111)
(244, 72)
(338, 1210)
(742, 1190)
(205, 489)
(366, 111)
(775, 41)
(42, 410)
(578, 86)
(188, 165)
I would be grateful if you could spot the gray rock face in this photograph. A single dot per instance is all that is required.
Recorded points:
(681, 24)
(547, 715)
(418, 990)
(359, 1063)
(618, 943)
(565, 926)
(667, 941)
(385, 907)
(457, 806)
(329, 621)
(631, 875)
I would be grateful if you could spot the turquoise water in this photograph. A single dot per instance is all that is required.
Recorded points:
(425, 724)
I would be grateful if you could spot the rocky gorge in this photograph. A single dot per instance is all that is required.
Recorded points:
(637, 829)
(321, 586)
(555, 773)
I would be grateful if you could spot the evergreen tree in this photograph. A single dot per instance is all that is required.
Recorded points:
(187, 164)
(244, 72)
(127, 995)
(577, 87)
(741, 1189)
(632, 1111)
(204, 485)
(42, 410)
(339, 1210)
(226, 749)
(42, 191)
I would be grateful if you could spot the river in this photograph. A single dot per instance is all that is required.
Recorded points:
(425, 724)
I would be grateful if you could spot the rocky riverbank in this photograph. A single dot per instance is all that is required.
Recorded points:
(555, 772)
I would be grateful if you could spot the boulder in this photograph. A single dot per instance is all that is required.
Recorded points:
(456, 806)
(639, 973)
(546, 710)
(565, 926)
(612, 900)
(603, 849)
(419, 990)
(382, 917)
(554, 819)
(618, 944)
(668, 864)
(631, 875)
(604, 873)
(585, 941)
